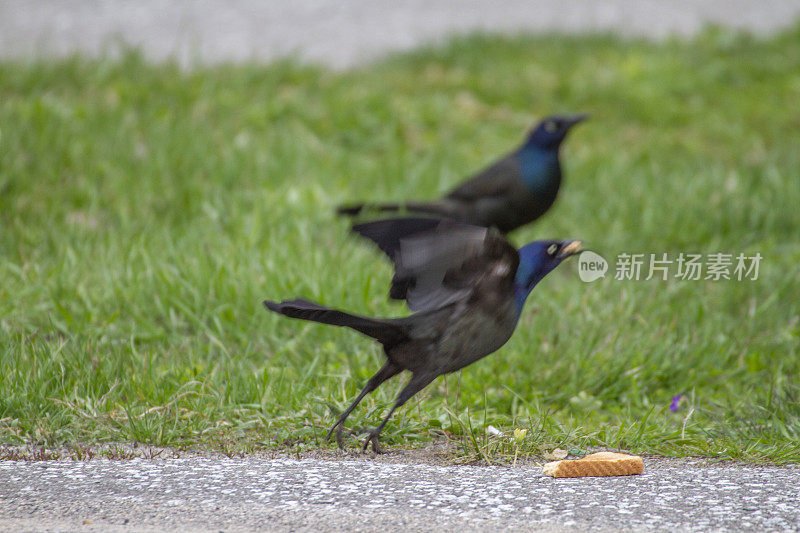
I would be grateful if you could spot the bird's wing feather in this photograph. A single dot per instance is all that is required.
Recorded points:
(443, 261)
(500, 178)
(387, 233)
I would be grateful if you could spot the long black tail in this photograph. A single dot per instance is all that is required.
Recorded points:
(385, 331)
(428, 208)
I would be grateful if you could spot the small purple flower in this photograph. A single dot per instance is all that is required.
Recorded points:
(675, 405)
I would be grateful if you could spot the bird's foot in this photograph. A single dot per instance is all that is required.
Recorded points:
(373, 438)
(339, 439)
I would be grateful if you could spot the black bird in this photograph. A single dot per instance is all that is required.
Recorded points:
(467, 285)
(509, 193)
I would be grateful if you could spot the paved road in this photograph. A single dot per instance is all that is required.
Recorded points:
(344, 32)
(213, 494)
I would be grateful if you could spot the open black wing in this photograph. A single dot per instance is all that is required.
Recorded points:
(438, 262)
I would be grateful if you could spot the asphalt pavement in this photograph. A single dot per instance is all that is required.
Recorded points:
(363, 494)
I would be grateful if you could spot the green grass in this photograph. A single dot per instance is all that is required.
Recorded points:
(147, 211)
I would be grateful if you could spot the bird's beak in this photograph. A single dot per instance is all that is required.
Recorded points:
(571, 248)
(575, 119)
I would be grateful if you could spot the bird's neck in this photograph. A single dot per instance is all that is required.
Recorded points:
(524, 282)
(521, 293)
(540, 168)
(527, 277)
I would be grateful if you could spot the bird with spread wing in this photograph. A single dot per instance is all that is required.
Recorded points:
(466, 285)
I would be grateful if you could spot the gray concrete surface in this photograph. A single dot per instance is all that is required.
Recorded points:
(343, 32)
(361, 494)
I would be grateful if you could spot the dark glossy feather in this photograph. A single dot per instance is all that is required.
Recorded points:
(440, 262)
(387, 332)
(496, 181)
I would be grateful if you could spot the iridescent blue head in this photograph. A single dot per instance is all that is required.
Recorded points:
(551, 132)
(538, 259)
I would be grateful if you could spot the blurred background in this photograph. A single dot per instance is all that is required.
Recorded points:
(345, 32)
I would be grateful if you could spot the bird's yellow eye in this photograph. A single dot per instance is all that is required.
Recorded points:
(552, 249)
(550, 126)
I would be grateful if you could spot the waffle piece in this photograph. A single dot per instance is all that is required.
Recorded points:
(596, 464)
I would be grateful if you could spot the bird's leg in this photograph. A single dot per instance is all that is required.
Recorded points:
(417, 383)
(388, 370)
(373, 434)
